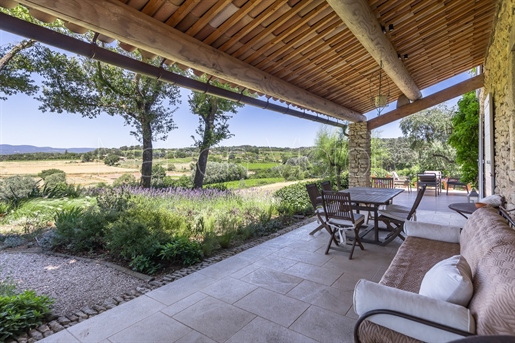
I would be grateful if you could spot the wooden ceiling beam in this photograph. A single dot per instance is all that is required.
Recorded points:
(424, 103)
(360, 20)
(117, 20)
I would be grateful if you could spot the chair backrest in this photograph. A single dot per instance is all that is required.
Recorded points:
(436, 172)
(327, 186)
(314, 195)
(426, 178)
(337, 205)
(395, 176)
(382, 182)
(418, 199)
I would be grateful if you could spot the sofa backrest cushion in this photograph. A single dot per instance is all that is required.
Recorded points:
(484, 230)
(493, 302)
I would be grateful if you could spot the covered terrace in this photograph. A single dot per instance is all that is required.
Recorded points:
(314, 56)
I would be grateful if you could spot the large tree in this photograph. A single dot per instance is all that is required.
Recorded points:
(465, 136)
(214, 114)
(428, 132)
(88, 87)
(332, 149)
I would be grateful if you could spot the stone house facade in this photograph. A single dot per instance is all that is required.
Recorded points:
(499, 71)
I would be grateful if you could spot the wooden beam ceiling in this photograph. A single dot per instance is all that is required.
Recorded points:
(434, 99)
(114, 19)
(360, 20)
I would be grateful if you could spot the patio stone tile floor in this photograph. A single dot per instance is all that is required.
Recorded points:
(284, 290)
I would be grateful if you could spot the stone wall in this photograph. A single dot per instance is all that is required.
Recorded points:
(499, 70)
(359, 155)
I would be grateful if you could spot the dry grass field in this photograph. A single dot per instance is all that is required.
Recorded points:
(76, 172)
(88, 173)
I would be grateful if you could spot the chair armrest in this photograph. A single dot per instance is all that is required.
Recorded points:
(435, 232)
(369, 296)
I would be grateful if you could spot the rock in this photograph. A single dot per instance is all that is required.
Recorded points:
(155, 283)
(73, 318)
(110, 306)
(48, 333)
(43, 328)
(119, 299)
(55, 326)
(36, 335)
(89, 311)
(99, 308)
(31, 340)
(81, 314)
(63, 320)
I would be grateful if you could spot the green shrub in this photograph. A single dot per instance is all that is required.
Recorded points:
(54, 180)
(17, 187)
(112, 160)
(222, 172)
(171, 167)
(125, 180)
(181, 250)
(114, 200)
(21, 312)
(378, 172)
(47, 172)
(294, 199)
(80, 230)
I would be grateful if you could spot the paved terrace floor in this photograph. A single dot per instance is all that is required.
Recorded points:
(284, 290)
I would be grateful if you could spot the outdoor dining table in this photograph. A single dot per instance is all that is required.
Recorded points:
(372, 196)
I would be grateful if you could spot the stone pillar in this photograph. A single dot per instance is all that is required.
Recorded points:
(359, 155)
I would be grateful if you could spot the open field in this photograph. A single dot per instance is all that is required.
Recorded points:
(87, 173)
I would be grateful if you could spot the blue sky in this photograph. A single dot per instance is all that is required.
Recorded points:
(22, 123)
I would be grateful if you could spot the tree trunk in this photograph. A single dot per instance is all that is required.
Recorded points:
(146, 166)
(200, 169)
(338, 177)
(16, 49)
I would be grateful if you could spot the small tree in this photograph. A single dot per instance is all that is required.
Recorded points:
(331, 148)
(213, 115)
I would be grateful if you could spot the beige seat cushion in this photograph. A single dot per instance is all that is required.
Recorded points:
(413, 260)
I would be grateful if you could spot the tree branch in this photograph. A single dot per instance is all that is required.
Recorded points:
(444, 157)
(25, 44)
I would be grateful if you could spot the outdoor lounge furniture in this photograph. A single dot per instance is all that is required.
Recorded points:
(340, 220)
(397, 181)
(429, 180)
(394, 218)
(454, 181)
(400, 314)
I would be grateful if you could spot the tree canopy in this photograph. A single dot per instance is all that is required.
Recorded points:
(88, 87)
(465, 137)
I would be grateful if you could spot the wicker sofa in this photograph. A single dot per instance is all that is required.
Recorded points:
(486, 242)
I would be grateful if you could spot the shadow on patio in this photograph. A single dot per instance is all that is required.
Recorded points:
(284, 290)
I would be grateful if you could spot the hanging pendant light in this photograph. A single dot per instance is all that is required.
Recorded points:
(380, 99)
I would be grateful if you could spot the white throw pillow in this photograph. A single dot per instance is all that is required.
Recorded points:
(494, 200)
(449, 280)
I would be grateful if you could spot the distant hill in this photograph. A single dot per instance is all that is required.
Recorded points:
(7, 149)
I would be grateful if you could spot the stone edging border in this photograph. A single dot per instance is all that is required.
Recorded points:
(60, 323)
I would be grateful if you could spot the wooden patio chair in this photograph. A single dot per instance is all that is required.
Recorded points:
(397, 181)
(327, 186)
(340, 220)
(382, 182)
(429, 180)
(316, 202)
(455, 181)
(395, 220)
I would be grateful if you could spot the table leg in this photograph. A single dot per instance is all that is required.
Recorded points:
(462, 214)
(376, 224)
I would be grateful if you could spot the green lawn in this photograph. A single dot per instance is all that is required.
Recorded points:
(259, 165)
(252, 182)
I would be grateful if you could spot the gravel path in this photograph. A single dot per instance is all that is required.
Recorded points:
(73, 283)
